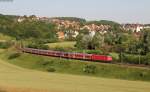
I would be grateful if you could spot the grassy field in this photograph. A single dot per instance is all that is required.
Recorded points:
(76, 67)
(4, 38)
(16, 79)
(62, 44)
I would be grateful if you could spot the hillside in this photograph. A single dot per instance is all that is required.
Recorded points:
(13, 76)
(22, 72)
(76, 67)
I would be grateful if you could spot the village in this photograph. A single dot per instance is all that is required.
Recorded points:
(73, 27)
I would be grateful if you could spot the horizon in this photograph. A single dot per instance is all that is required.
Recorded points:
(114, 10)
(77, 17)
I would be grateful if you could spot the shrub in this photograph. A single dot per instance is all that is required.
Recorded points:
(14, 55)
(57, 48)
(51, 69)
(134, 59)
(38, 46)
(5, 45)
(147, 59)
(94, 52)
(89, 69)
(141, 74)
(45, 41)
(130, 59)
(45, 47)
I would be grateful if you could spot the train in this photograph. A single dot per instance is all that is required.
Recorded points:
(70, 55)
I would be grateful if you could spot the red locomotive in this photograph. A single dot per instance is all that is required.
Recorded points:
(71, 55)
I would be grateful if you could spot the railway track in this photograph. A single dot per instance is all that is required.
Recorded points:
(81, 56)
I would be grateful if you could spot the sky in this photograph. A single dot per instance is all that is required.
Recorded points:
(122, 11)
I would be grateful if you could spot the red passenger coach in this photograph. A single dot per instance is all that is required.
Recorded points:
(81, 56)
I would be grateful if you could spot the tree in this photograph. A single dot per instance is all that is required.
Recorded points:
(97, 41)
(26, 29)
(121, 50)
(83, 39)
(109, 38)
(86, 42)
(145, 40)
(139, 52)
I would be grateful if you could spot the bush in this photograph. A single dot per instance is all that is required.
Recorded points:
(94, 52)
(57, 48)
(14, 55)
(51, 69)
(134, 59)
(89, 69)
(5, 45)
(45, 47)
(38, 46)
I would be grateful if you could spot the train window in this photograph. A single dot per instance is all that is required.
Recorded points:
(87, 56)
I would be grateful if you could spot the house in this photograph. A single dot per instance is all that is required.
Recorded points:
(61, 35)
(76, 33)
(133, 27)
(21, 19)
(147, 26)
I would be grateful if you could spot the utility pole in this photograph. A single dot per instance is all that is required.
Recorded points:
(121, 57)
(139, 50)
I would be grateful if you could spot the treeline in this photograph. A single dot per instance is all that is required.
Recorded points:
(72, 19)
(26, 29)
(126, 44)
(104, 22)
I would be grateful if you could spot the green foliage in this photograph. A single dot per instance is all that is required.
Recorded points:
(97, 41)
(38, 46)
(26, 29)
(86, 41)
(94, 52)
(115, 40)
(109, 38)
(51, 69)
(72, 19)
(91, 69)
(115, 57)
(147, 59)
(135, 59)
(14, 55)
(104, 22)
(59, 49)
(84, 32)
(81, 68)
(80, 43)
(5, 45)
(145, 41)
